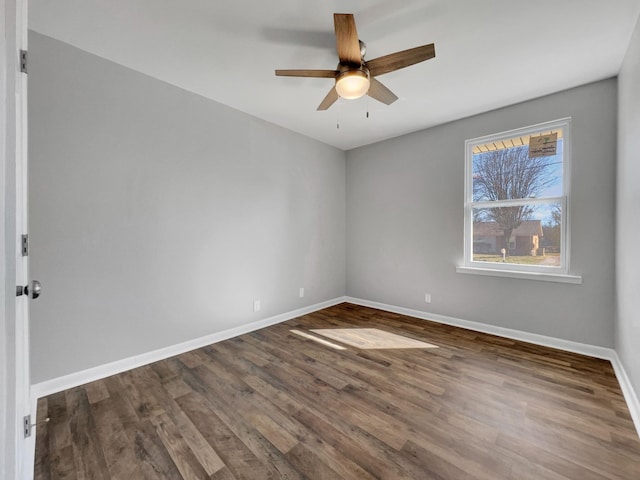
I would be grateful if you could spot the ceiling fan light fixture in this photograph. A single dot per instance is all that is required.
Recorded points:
(353, 84)
(354, 76)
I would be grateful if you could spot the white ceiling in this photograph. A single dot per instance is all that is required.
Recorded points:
(489, 53)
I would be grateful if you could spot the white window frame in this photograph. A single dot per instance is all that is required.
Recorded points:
(537, 272)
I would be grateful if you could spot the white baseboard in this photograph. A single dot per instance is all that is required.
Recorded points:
(610, 354)
(75, 379)
(630, 395)
(575, 347)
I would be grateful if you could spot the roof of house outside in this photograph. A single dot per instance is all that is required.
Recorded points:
(492, 229)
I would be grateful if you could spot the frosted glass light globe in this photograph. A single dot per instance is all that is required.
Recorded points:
(352, 84)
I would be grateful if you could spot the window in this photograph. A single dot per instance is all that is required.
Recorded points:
(516, 195)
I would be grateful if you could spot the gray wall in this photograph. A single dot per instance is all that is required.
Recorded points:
(628, 214)
(158, 216)
(405, 223)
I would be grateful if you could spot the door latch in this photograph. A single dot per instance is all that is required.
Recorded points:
(32, 290)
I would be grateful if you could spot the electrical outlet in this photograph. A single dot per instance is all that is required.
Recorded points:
(301, 292)
(256, 305)
(427, 298)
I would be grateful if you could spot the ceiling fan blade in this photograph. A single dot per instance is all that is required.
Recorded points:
(347, 42)
(329, 100)
(398, 60)
(307, 73)
(381, 93)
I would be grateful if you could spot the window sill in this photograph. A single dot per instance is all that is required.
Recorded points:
(544, 277)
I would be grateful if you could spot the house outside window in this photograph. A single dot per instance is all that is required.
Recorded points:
(516, 200)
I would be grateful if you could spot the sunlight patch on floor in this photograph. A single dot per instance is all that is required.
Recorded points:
(371, 338)
(316, 339)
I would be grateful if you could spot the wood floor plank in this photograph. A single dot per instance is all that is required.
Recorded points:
(433, 465)
(96, 391)
(116, 444)
(559, 464)
(357, 445)
(271, 404)
(88, 454)
(339, 462)
(238, 458)
(152, 457)
(63, 464)
(42, 464)
(144, 390)
(226, 404)
(58, 428)
(205, 454)
(183, 458)
(309, 464)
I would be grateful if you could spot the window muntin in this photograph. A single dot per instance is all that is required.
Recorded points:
(516, 187)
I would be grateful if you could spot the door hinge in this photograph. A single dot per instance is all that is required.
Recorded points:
(23, 61)
(26, 423)
(25, 245)
(28, 426)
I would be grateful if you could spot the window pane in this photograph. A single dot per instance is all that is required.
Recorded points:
(509, 170)
(522, 235)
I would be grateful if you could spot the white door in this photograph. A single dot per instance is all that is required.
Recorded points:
(25, 444)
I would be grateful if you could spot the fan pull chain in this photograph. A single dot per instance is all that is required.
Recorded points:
(367, 106)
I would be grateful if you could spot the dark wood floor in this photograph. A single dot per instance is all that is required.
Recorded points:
(272, 404)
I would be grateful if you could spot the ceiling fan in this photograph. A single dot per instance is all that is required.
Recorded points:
(355, 76)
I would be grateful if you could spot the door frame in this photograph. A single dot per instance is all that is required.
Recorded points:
(19, 450)
(25, 403)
